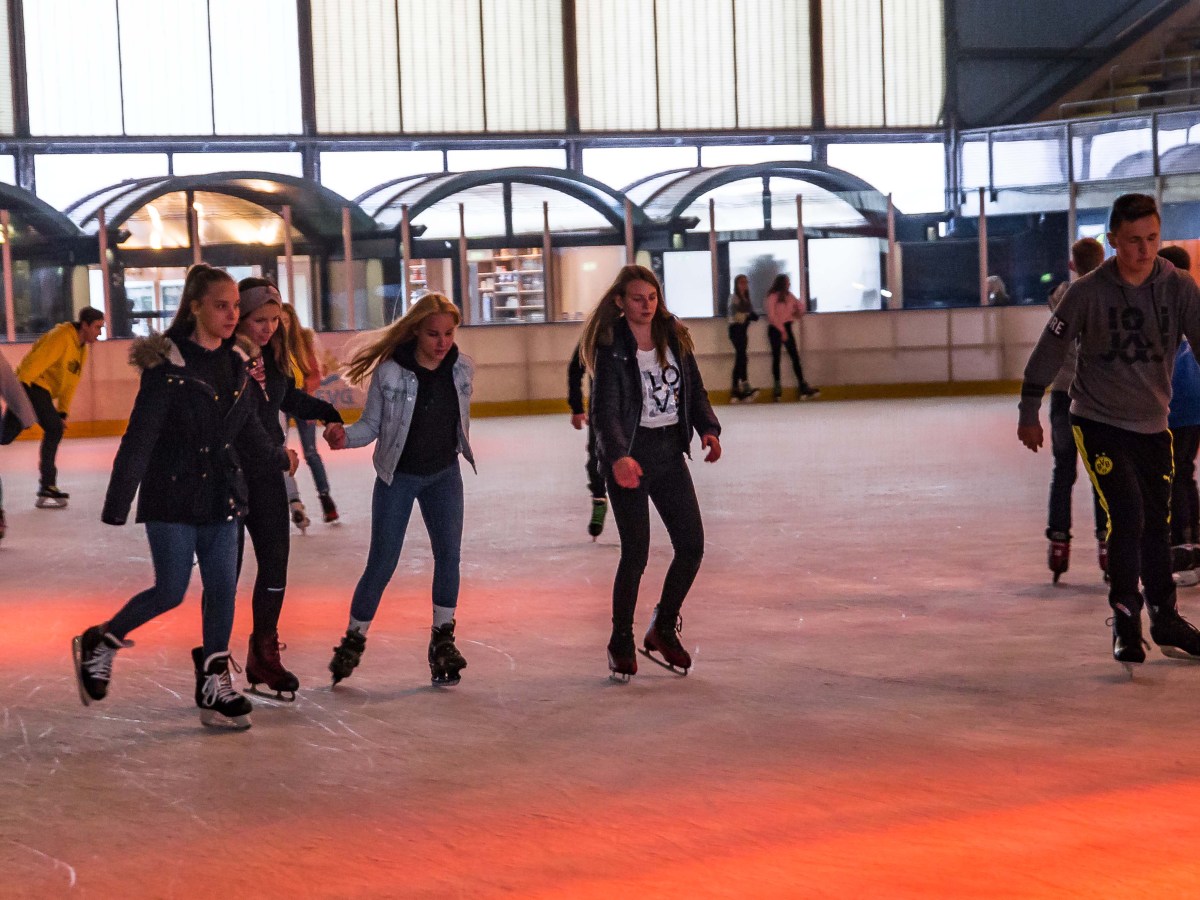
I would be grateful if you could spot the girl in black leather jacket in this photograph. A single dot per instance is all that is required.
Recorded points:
(647, 400)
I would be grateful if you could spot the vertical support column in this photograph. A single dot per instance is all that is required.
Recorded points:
(102, 238)
(1072, 217)
(194, 229)
(630, 252)
(10, 307)
(289, 268)
(983, 248)
(406, 253)
(548, 297)
(712, 254)
(464, 269)
(1158, 192)
(802, 248)
(348, 252)
(895, 301)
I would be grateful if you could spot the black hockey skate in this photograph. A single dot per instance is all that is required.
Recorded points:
(347, 655)
(808, 392)
(328, 508)
(445, 662)
(1183, 566)
(622, 657)
(1058, 556)
(1128, 646)
(1176, 636)
(663, 638)
(221, 704)
(50, 497)
(3, 525)
(599, 511)
(299, 516)
(263, 666)
(93, 653)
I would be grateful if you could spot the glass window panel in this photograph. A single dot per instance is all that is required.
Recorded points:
(73, 67)
(1116, 154)
(483, 210)
(844, 273)
(566, 213)
(160, 224)
(821, 208)
(760, 262)
(355, 66)
(441, 72)
(914, 62)
(853, 56)
(355, 172)
(617, 70)
(476, 160)
(695, 64)
(231, 220)
(974, 164)
(754, 153)
(1030, 161)
(8, 169)
(523, 65)
(914, 174)
(255, 67)
(206, 163)
(687, 283)
(774, 68)
(165, 81)
(62, 179)
(6, 94)
(621, 166)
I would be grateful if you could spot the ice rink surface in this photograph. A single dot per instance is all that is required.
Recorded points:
(889, 698)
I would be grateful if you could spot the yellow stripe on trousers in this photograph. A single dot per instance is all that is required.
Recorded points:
(1087, 465)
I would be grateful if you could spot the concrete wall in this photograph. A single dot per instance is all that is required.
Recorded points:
(522, 368)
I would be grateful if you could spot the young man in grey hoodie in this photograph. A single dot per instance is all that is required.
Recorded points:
(1128, 316)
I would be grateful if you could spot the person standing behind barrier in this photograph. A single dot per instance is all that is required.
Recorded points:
(1184, 422)
(783, 308)
(647, 399)
(741, 314)
(579, 419)
(19, 415)
(1086, 255)
(418, 413)
(51, 372)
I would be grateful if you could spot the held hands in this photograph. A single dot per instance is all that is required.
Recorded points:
(1031, 436)
(713, 445)
(293, 460)
(335, 436)
(627, 472)
(578, 421)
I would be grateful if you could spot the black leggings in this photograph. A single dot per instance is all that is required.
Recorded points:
(269, 524)
(1185, 504)
(778, 343)
(667, 483)
(737, 336)
(595, 471)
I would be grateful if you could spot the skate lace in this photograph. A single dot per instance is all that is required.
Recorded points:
(99, 664)
(218, 687)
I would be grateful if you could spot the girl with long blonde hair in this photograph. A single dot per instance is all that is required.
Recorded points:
(418, 414)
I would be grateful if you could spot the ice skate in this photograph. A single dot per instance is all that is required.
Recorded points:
(747, 393)
(328, 509)
(622, 657)
(445, 662)
(3, 525)
(808, 392)
(347, 655)
(299, 516)
(1176, 636)
(93, 653)
(1059, 554)
(221, 704)
(662, 638)
(777, 392)
(263, 666)
(1102, 556)
(50, 497)
(599, 511)
(1183, 561)
(1128, 647)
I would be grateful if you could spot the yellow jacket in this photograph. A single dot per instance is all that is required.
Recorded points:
(55, 363)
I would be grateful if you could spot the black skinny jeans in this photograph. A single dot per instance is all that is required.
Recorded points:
(667, 483)
(1066, 457)
(1132, 473)
(52, 425)
(777, 344)
(595, 474)
(269, 524)
(737, 337)
(1185, 504)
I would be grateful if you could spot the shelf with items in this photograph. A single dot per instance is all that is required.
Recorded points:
(510, 286)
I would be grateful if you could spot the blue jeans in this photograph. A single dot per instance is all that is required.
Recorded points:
(440, 497)
(172, 548)
(308, 441)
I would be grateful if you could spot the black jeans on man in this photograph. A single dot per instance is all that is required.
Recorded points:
(1185, 503)
(778, 342)
(1062, 480)
(738, 337)
(52, 425)
(667, 483)
(1132, 473)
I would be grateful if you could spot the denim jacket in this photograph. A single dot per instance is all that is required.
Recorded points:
(388, 414)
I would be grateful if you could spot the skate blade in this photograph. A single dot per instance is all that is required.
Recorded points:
(1129, 667)
(1057, 575)
(46, 503)
(213, 719)
(1176, 653)
(662, 662)
(273, 695)
(445, 680)
(77, 658)
(619, 677)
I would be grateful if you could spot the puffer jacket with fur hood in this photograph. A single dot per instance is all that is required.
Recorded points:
(180, 453)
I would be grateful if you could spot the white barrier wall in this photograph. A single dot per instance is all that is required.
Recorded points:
(524, 367)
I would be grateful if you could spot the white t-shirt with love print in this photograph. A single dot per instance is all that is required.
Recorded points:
(660, 389)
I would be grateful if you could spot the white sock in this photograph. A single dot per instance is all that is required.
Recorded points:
(442, 615)
(360, 627)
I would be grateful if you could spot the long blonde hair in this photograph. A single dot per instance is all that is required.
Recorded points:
(299, 341)
(380, 344)
(599, 326)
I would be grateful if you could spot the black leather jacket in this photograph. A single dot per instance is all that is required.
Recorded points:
(280, 393)
(616, 407)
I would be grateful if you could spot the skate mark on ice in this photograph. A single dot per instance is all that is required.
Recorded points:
(359, 736)
(174, 694)
(57, 862)
(512, 663)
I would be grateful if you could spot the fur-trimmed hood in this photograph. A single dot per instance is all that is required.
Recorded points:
(148, 352)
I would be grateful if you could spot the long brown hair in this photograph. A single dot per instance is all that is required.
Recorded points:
(279, 341)
(599, 326)
(380, 344)
(196, 284)
(300, 342)
(741, 299)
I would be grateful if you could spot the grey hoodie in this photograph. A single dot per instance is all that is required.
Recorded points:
(1127, 341)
